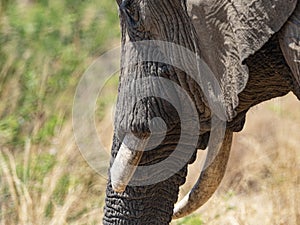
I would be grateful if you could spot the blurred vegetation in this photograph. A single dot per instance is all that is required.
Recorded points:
(190, 220)
(45, 48)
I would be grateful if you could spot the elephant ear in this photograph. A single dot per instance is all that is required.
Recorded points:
(229, 31)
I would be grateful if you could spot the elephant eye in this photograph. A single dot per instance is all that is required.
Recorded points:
(127, 5)
(130, 8)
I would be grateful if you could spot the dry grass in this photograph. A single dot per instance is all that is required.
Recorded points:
(63, 191)
(262, 182)
(261, 186)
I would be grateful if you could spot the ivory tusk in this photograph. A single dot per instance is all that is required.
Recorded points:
(126, 162)
(208, 180)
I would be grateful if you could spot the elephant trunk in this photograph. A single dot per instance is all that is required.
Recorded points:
(149, 203)
(154, 83)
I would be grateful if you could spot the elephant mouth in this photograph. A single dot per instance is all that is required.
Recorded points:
(130, 154)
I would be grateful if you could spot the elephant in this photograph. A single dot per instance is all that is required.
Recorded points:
(251, 48)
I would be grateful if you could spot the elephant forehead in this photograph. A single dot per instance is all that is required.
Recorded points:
(230, 31)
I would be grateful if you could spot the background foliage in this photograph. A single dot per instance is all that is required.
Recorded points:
(45, 48)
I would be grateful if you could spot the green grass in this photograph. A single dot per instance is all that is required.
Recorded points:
(107, 96)
(45, 48)
(190, 220)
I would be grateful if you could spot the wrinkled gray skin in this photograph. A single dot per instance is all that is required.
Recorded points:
(272, 70)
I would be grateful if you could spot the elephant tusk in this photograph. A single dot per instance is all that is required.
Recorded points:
(208, 180)
(126, 162)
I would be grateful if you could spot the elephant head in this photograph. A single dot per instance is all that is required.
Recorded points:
(167, 108)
